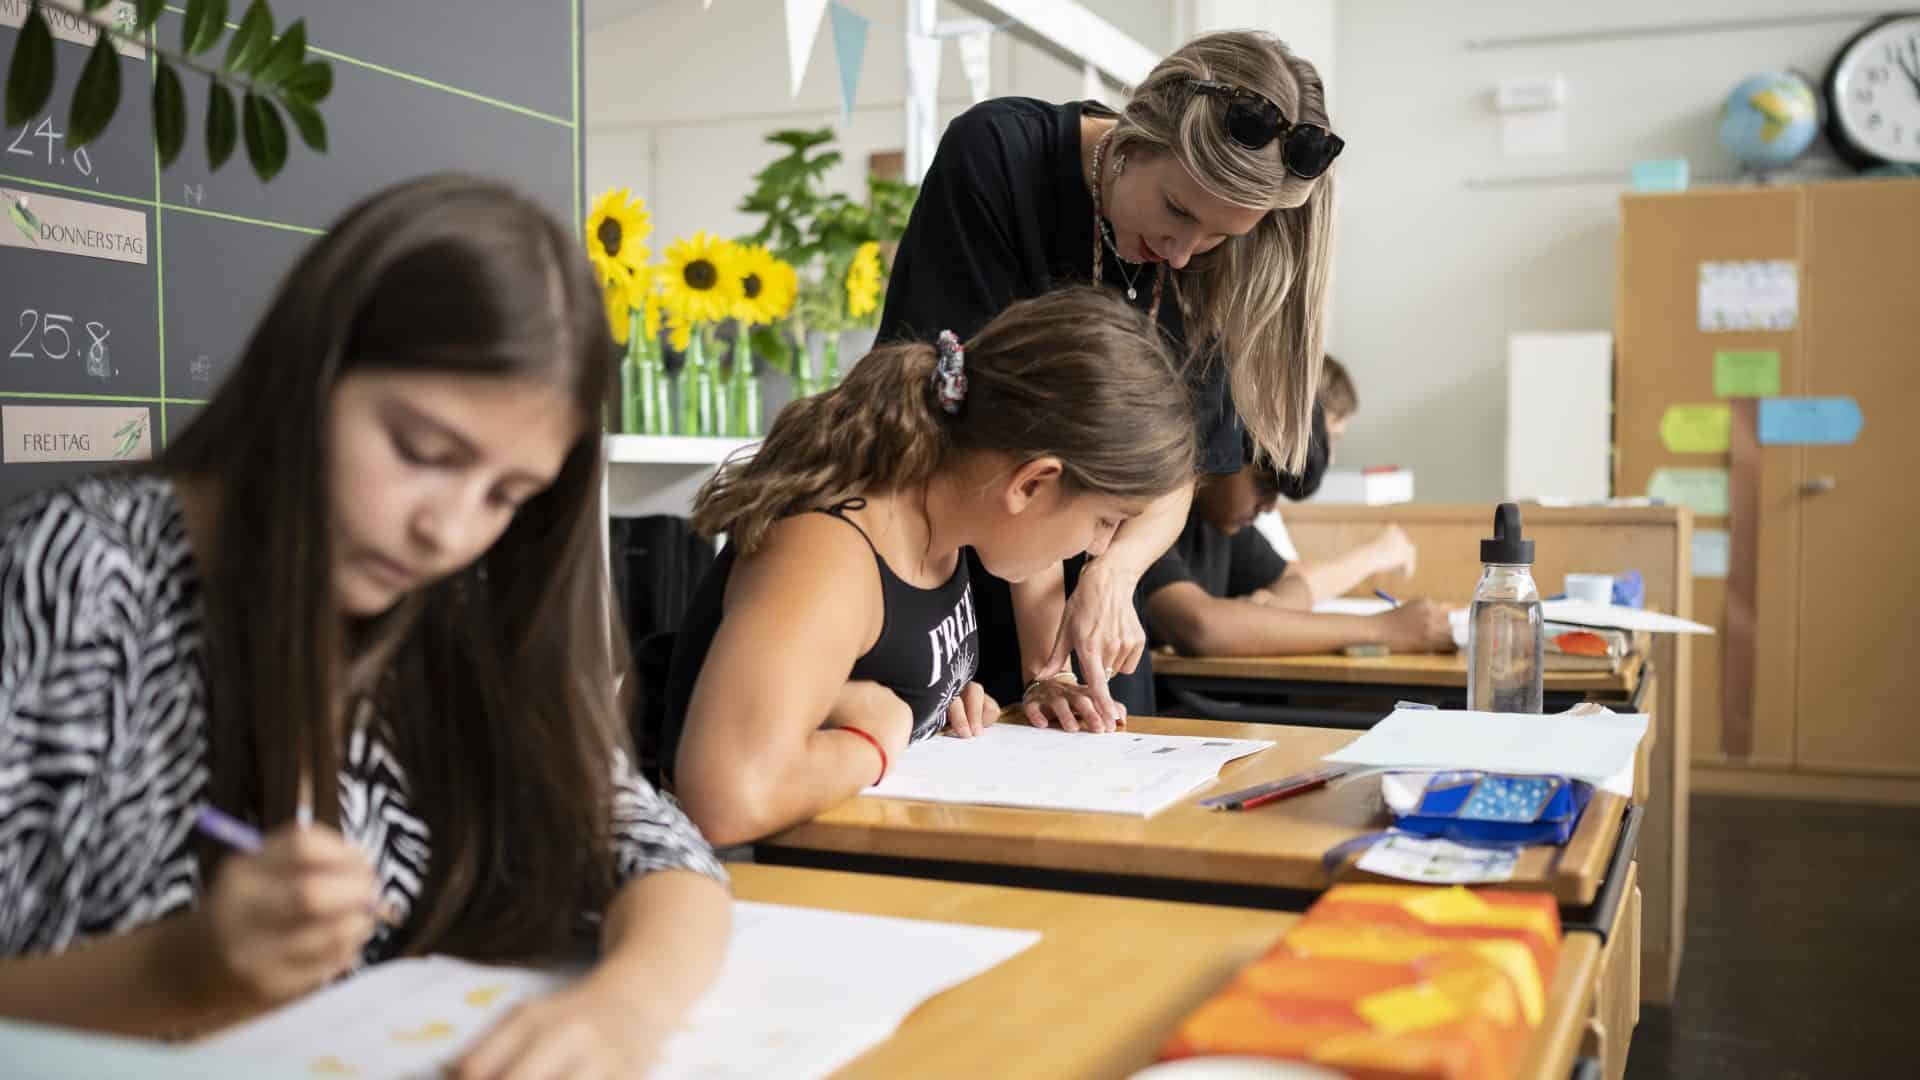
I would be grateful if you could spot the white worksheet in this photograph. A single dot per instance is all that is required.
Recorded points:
(802, 993)
(1011, 764)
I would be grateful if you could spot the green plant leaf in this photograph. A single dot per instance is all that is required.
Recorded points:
(147, 12)
(249, 43)
(308, 122)
(802, 141)
(97, 95)
(312, 83)
(223, 125)
(265, 134)
(771, 345)
(206, 21)
(30, 72)
(284, 58)
(169, 113)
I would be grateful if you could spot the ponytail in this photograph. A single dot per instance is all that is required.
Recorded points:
(1076, 374)
(878, 428)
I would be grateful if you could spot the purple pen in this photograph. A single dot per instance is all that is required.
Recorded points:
(228, 830)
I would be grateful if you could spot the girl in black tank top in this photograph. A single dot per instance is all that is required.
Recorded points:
(926, 654)
(838, 627)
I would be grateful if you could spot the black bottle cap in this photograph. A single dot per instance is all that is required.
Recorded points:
(1506, 547)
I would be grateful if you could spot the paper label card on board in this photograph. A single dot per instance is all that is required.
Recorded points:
(1832, 421)
(1696, 429)
(1746, 372)
(1757, 295)
(1704, 491)
(1712, 549)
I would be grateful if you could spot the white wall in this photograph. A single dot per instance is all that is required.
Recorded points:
(1444, 247)
(678, 99)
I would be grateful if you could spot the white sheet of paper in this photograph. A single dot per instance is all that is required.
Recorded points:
(1434, 861)
(1011, 764)
(1595, 747)
(1582, 613)
(781, 1005)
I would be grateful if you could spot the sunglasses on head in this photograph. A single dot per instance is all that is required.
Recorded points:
(1253, 121)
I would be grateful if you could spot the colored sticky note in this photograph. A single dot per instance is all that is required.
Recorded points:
(1711, 550)
(1832, 421)
(1746, 373)
(1696, 429)
(1660, 175)
(1704, 491)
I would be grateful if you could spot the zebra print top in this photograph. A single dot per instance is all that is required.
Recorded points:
(103, 750)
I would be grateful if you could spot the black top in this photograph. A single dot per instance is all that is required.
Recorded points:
(1004, 214)
(927, 651)
(1225, 566)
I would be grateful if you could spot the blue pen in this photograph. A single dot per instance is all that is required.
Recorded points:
(1382, 594)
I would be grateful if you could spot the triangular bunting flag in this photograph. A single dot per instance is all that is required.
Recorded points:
(849, 49)
(803, 25)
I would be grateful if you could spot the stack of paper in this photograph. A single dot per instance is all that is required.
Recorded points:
(1586, 613)
(1123, 772)
(1597, 747)
(782, 1005)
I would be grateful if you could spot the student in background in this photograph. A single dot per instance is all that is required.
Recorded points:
(1198, 596)
(365, 588)
(838, 627)
(1307, 583)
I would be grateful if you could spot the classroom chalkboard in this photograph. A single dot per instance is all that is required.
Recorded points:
(127, 291)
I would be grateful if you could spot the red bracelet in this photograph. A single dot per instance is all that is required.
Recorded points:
(877, 748)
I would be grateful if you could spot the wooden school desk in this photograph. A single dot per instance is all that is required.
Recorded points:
(1269, 857)
(1354, 691)
(1099, 993)
(1657, 541)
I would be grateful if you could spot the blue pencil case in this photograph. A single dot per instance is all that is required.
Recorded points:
(1487, 809)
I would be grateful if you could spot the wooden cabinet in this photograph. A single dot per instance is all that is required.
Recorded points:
(1834, 561)
(1859, 580)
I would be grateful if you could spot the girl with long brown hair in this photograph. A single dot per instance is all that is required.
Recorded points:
(366, 590)
(1207, 202)
(838, 626)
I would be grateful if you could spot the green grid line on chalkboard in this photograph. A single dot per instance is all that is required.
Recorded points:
(124, 399)
(162, 204)
(573, 85)
(422, 80)
(91, 193)
(159, 254)
(266, 222)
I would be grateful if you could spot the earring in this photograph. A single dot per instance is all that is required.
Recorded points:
(1119, 164)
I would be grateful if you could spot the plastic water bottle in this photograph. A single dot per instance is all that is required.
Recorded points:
(1505, 637)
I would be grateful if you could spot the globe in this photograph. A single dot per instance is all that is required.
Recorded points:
(1770, 119)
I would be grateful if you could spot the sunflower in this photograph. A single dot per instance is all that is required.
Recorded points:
(767, 286)
(679, 334)
(701, 283)
(617, 232)
(863, 280)
(617, 289)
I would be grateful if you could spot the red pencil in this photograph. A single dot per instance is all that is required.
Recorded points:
(1276, 796)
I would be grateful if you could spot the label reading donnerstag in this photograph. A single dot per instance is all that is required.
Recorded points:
(44, 222)
(40, 433)
(72, 28)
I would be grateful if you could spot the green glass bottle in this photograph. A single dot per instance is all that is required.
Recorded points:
(743, 395)
(631, 400)
(650, 381)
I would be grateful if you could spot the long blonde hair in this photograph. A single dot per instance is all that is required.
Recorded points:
(1077, 374)
(1260, 297)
